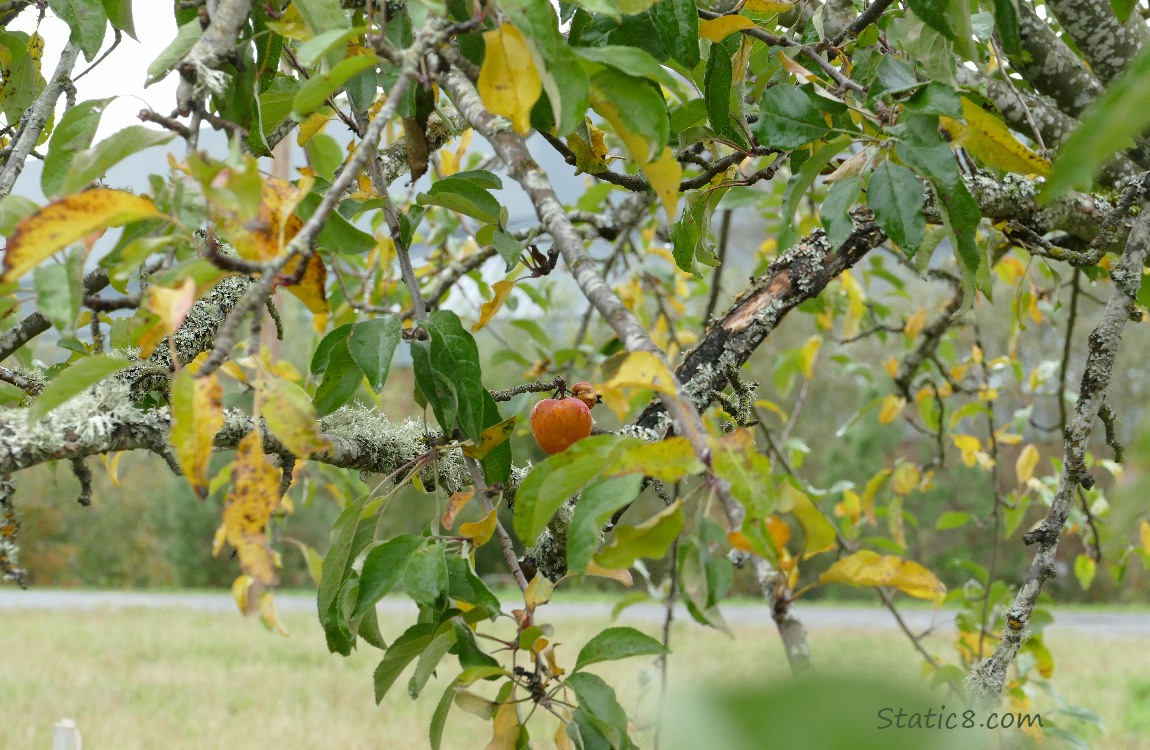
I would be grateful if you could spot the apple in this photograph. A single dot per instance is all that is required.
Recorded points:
(557, 424)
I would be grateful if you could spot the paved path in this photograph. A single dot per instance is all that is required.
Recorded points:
(838, 617)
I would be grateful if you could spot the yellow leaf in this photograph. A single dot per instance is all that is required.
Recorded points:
(856, 305)
(314, 124)
(904, 479)
(766, 6)
(291, 416)
(892, 406)
(254, 497)
(718, 29)
(539, 591)
(970, 447)
(622, 576)
(915, 323)
(490, 439)
(241, 588)
(989, 140)
(264, 237)
(171, 306)
(1144, 535)
(850, 506)
(870, 492)
(1010, 270)
(311, 289)
(509, 83)
(455, 503)
(1024, 466)
(868, 568)
(633, 370)
(62, 222)
(502, 290)
(505, 734)
(197, 415)
(808, 355)
(480, 532)
(590, 157)
(268, 615)
(661, 169)
(819, 534)
(562, 739)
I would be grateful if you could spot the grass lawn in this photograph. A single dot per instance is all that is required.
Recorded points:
(172, 678)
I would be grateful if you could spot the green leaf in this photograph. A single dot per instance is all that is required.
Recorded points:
(615, 8)
(936, 99)
(892, 76)
(74, 133)
(93, 163)
(555, 479)
(564, 80)
(372, 345)
(403, 649)
(749, 473)
(896, 197)
(119, 12)
(1123, 8)
(1084, 569)
(1006, 21)
(597, 699)
(341, 378)
(952, 519)
(632, 61)
(383, 568)
(465, 197)
(338, 234)
(59, 291)
(599, 501)
(24, 82)
(448, 373)
(961, 216)
(87, 20)
(640, 105)
(327, 345)
(186, 38)
(322, 15)
(430, 658)
(351, 532)
(72, 381)
(496, 464)
(439, 716)
(717, 87)
(801, 182)
(835, 209)
(788, 119)
(618, 643)
(314, 49)
(1108, 127)
(677, 23)
(650, 539)
(315, 91)
(465, 586)
(425, 578)
(934, 13)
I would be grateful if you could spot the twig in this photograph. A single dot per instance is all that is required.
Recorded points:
(988, 677)
(36, 118)
(1064, 365)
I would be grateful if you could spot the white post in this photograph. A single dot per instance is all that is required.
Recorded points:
(65, 736)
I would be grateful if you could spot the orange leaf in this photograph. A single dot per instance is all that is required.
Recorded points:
(455, 504)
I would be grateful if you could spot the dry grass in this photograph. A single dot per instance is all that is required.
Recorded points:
(180, 679)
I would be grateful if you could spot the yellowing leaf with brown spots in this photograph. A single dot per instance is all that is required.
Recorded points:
(311, 289)
(989, 140)
(502, 290)
(60, 223)
(490, 439)
(455, 503)
(291, 416)
(509, 82)
(868, 568)
(254, 497)
(265, 237)
(480, 532)
(590, 157)
(718, 29)
(197, 415)
(767, 6)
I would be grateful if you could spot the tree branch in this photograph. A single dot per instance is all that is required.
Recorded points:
(986, 680)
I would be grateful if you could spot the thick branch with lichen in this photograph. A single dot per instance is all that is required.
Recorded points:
(986, 681)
